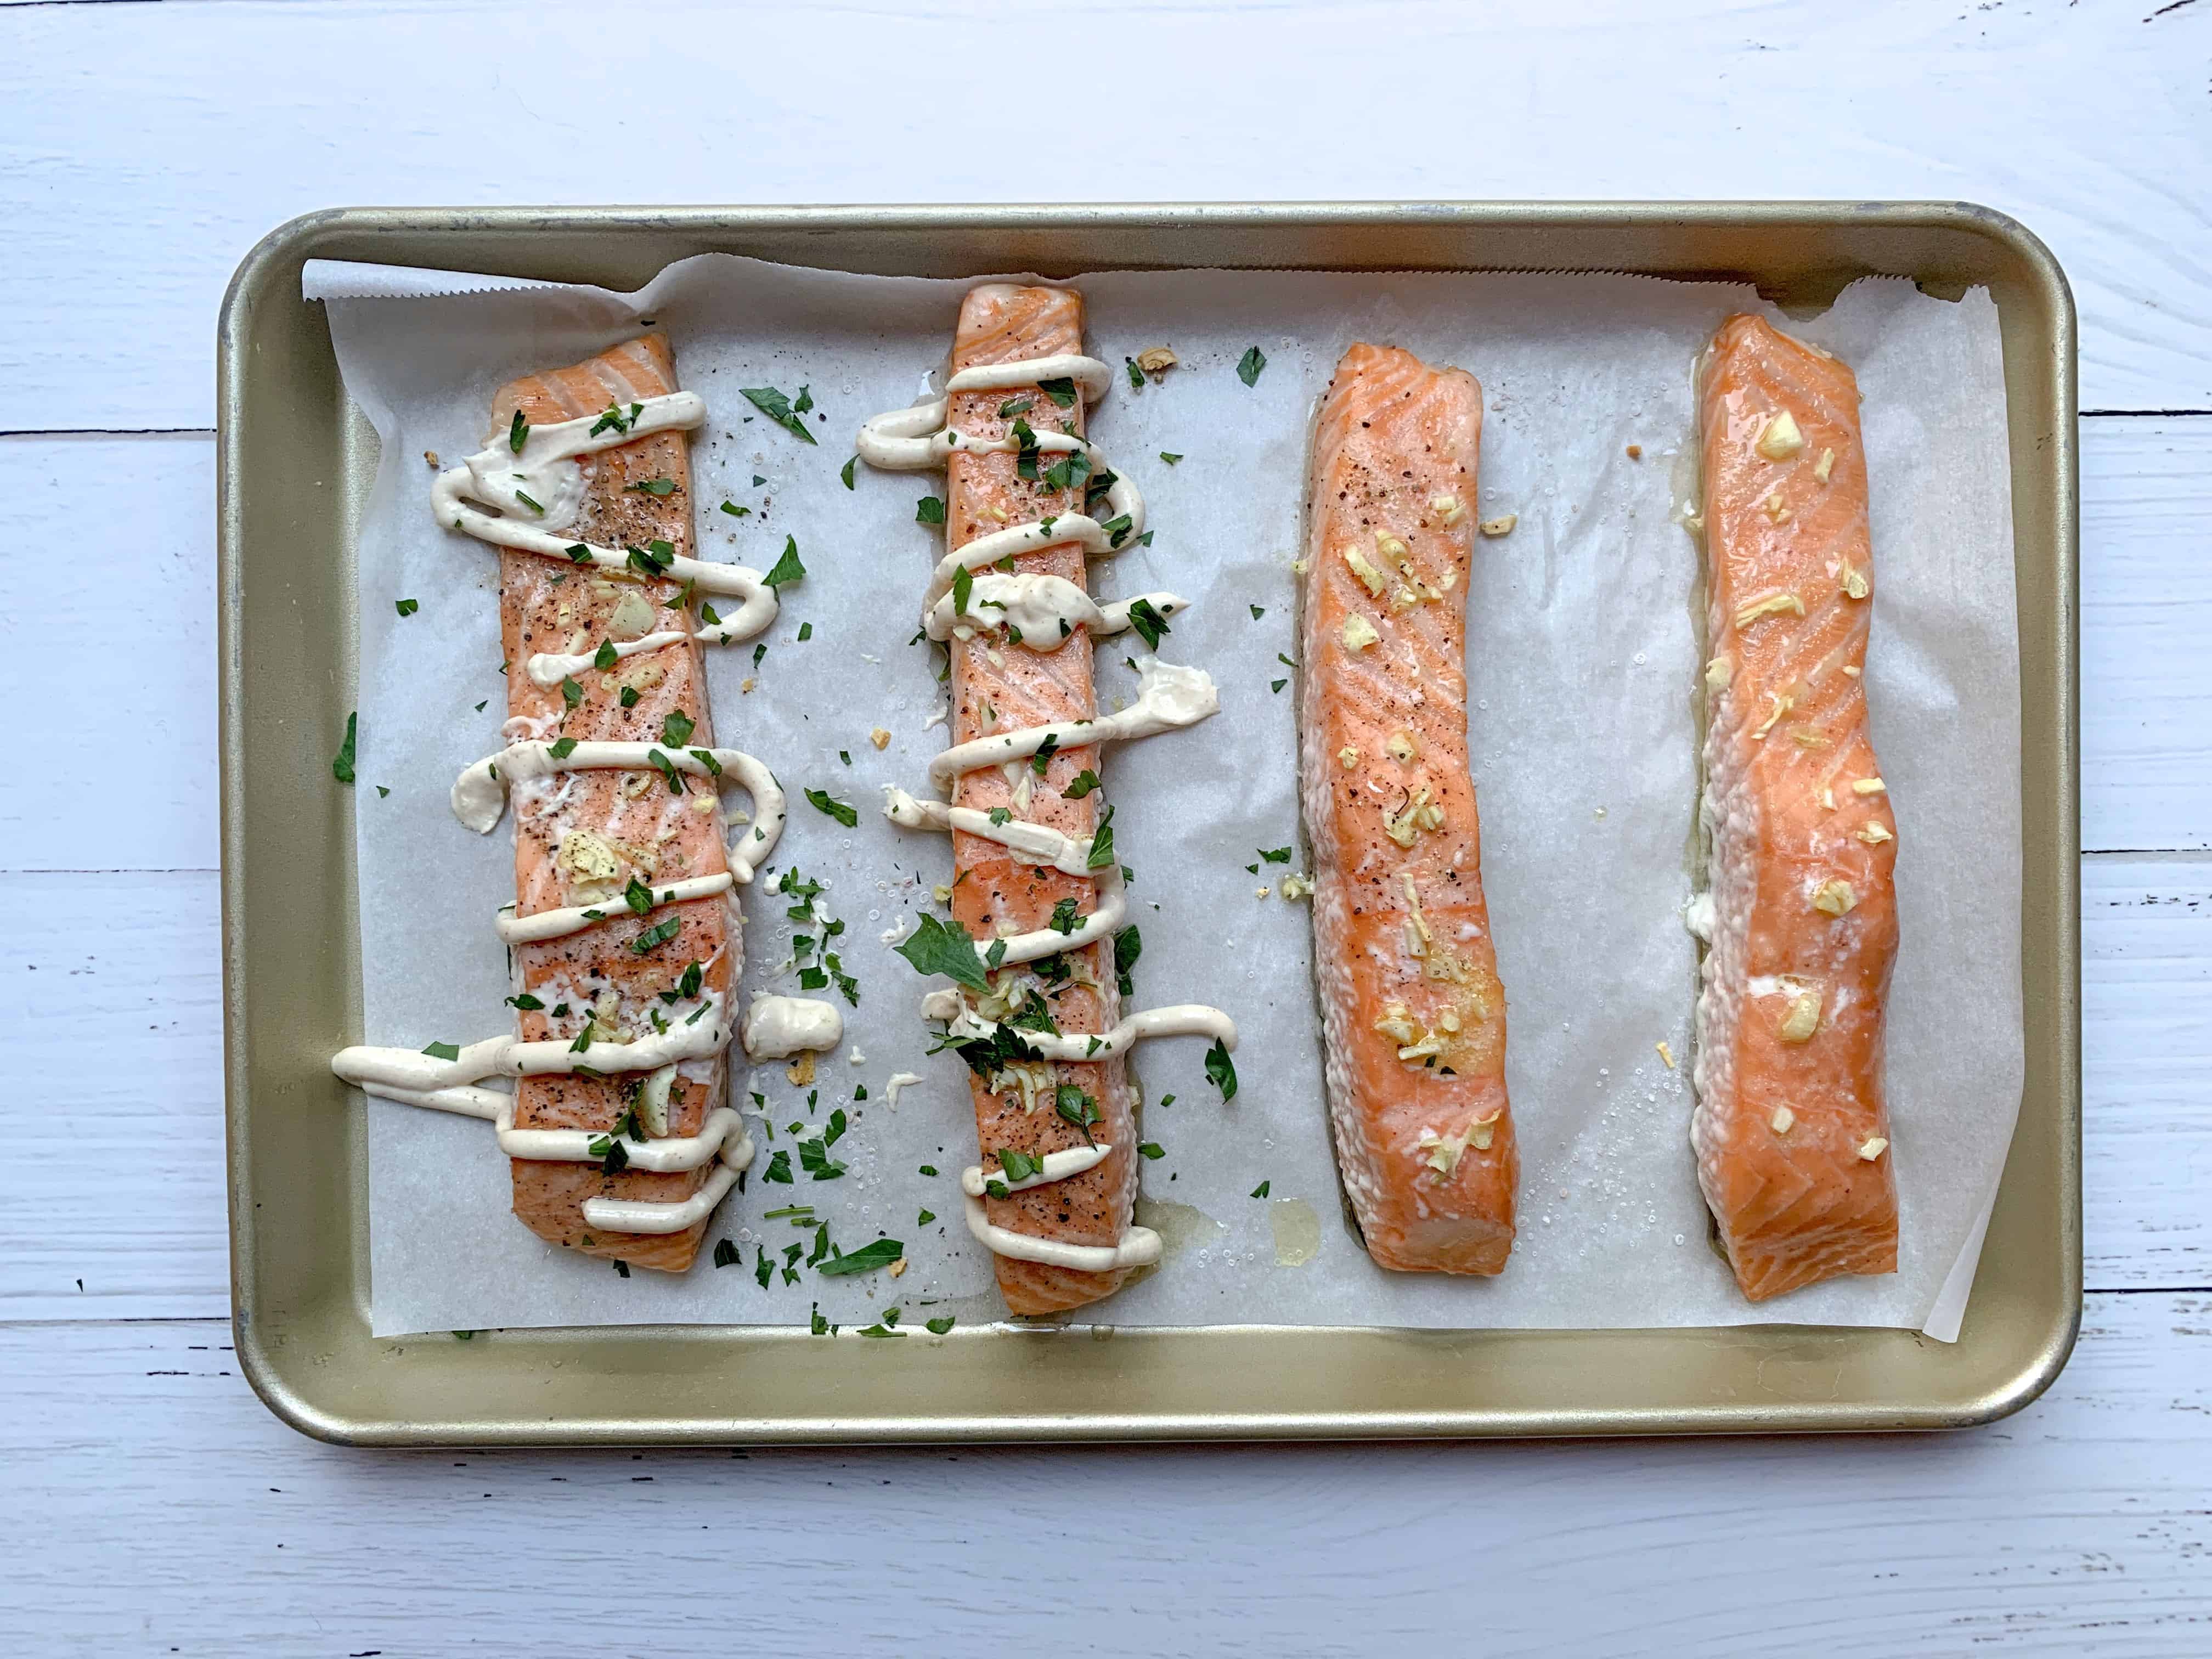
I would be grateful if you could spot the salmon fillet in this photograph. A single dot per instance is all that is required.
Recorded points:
(1790, 1129)
(1413, 1014)
(633, 825)
(998, 687)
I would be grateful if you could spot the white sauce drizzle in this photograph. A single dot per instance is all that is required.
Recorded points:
(479, 794)
(776, 1027)
(1040, 613)
(497, 477)
(1044, 610)
(574, 918)
(901, 1080)
(501, 477)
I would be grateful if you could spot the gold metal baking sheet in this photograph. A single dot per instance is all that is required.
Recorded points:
(294, 461)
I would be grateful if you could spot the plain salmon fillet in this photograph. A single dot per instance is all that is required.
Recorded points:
(1413, 1014)
(1790, 1129)
(996, 688)
(650, 833)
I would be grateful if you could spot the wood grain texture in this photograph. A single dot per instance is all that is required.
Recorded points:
(134, 174)
(154, 1508)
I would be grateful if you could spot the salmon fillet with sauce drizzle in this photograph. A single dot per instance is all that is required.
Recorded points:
(581, 836)
(1411, 1009)
(998, 688)
(1790, 1129)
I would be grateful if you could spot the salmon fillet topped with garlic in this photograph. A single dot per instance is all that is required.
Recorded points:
(1800, 920)
(1413, 1014)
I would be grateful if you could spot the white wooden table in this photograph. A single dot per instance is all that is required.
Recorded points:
(150, 1504)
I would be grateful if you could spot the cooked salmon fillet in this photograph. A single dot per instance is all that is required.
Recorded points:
(1000, 687)
(1790, 1130)
(632, 824)
(1413, 1014)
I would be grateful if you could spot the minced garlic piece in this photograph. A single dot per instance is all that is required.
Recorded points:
(1873, 1147)
(1802, 1019)
(1156, 361)
(941, 893)
(1402, 746)
(634, 784)
(1851, 673)
(1781, 439)
(1448, 1021)
(1362, 567)
(1388, 548)
(1782, 706)
(1807, 737)
(880, 738)
(1828, 798)
(1666, 1055)
(1834, 898)
(747, 683)
(1403, 826)
(1298, 887)
(1501, 526)
(587, 857)
(1358, 633)
(1874, 835)
(898, 1266)
(1782, 1119)
(702, 803)
(1777, 509)
(1397, 1024)
(1427, 1048)
(1772, 605)
(800, 1072)
(1718, 672)
(1447, 508)
(1413, 906)
(1259, 892)
(1869, 786)
(1855, 583)
(633, 617)
(1824, 466)
(1348, 757)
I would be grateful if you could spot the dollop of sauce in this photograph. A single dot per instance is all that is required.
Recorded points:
(778, 1027)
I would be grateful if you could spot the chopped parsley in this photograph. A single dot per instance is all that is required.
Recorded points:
(1078, 1109)
(964, 586)
(638, 895)
(342, 765)
(1279, 855)
(727, 1255)
(867, 1259)
(1136, 374)
(442, 1050)
(657, 935)
(779, 1167)
(669, 772)
(784, 412)
(1080, 785)
(518, 433)
(606, 656)
(1064, 918)
(660, 487)
(676, 731)
(1128, 946)
(1221, 1071)
(1014, 406)
(846, 471)
(836, 809)
(938, 1326)
(1258, 611)
(1148, 621)
(527, 503)
(736, 511)
(1170, 459)
(628, 696)
(561, 748)
(929, 510)
(1260, 1191)
(1101, 843)
(1248, 367)
(1060, 391)
(938, 947)
(1151, 1149)
(406, 607)
(787, 568)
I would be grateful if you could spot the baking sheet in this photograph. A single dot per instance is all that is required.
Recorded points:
(1584, 646)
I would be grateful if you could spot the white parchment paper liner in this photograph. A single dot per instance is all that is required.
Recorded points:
(1583, 649)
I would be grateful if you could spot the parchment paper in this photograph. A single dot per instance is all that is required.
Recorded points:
(1583, 648)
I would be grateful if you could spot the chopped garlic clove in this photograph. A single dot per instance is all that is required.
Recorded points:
(1869, 786)
(1402, 747)
(1371, 578)
(1873, 1147)
(1824, 466)
(1874, 835)
(1666, 1054)
(1855, 583)
(1834, 898)
(1777, 509)
(1773, 604)
(880, 738)
(1447, 508)
(1781, 439)
(1718, 672)
(1358, 633)
(1802, 1019)
(1348, 757)
(1782, 1119)
(1501, 526)
(1156, 361)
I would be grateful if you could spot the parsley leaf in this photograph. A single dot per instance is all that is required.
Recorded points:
(963, 584)
(836, 809)
(638, 895)
(668, 770)
(1080, 785)
(561, 748)
(1258, 611)
(814, 1158)
(1136, 374)
(779, 1167)
(1060, 391)
(1128, 946)
(939, 947)
(1279, 855)
(1151, 1149)
(657, 935)
(727, 1255)
(676, 731)
(1248, 367)
(518, 433)
(1220, 1070)
(867, 1259)
(1064, 918)
(1169, 458)
(786, 568)
(1077, 1108)
(406, 607)
(1101, 843)
(736, 511)
(661, 487)
(442, 1051)
(939, 1325)
(929, 510)
(1148, 621)
(341, 766)
(781, 410)
(1260, 1191)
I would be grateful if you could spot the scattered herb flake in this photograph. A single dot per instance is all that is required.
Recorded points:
(1260, 1191)
(781, 410)
(661, 487)
(657, 935)
(938, 947)
(1248, 367)
(1151, 1149)
(929, 510)
(1148, 622)
(787, 568)
(676, 731)
(341, 764)
(442, 1050)
(1170, 459)
(1221, 1071)
(406, 607)
(823, 802)
(846, 471)
(867, 1259)
(518, 433)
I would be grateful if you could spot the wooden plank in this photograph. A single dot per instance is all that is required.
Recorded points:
(112, 561)
(172, 1511)
(2147, 1049)
(133, 175)
(2146, 617)
(132, 963)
